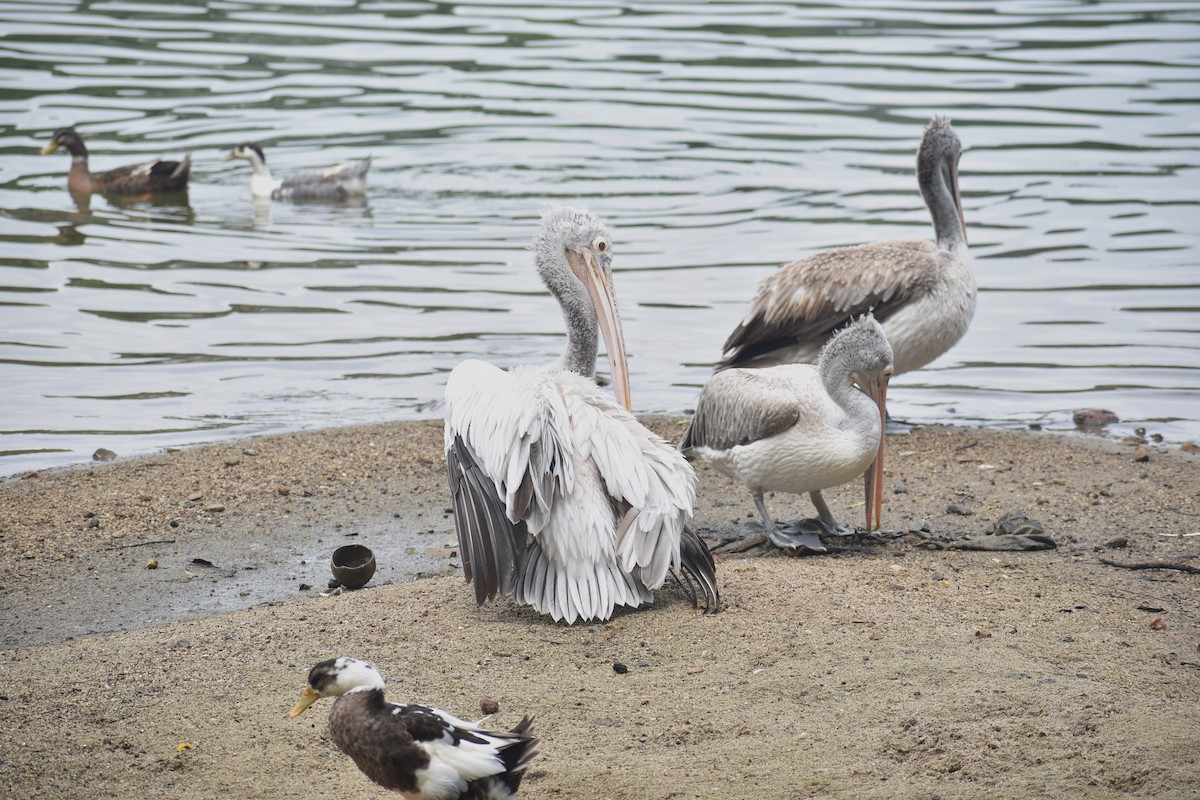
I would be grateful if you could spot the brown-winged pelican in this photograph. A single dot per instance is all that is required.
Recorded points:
(561, 498)
(423, 753)
(341, 182)
(799, 428)
(134, 179)
(922, 292)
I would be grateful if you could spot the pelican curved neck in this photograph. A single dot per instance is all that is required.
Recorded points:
(582, 333)
(836, 374)
(938, 178)
(579, 314)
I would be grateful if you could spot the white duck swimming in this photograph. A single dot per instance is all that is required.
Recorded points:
(342, 182)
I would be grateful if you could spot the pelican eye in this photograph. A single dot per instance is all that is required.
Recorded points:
(601, 245)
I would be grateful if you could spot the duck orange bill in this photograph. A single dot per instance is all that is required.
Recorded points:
(307, 698)
(596, 276)
(873, 477)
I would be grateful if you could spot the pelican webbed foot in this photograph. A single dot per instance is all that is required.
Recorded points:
(801, 541)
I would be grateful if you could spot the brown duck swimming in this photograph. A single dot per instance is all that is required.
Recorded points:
(153, 176)
(420, 752)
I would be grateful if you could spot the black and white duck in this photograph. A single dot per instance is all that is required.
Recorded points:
(342, 182)
(422, 753)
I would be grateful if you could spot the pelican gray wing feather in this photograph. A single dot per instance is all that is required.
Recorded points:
(806, 300)
(738, 407)
(490, 545)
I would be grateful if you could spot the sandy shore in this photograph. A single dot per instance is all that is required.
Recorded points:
(884, 670)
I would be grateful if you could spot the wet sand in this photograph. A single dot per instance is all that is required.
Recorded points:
(886, 669)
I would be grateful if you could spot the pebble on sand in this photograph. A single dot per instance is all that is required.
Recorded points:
(1094, 417)
(103, 454)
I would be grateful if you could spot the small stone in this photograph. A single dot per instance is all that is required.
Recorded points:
(29, 554)
(1117, 543)
(174, 523)
(93, 522)
(283, 490)
(214, 509)
(1189, 447)
(304, 587)
(899, 488)
(958, 509)
(103, 454)
(152, 564)
(620, 668)
(249, 452)
(1094, 417)
(232, 462)
(489, 706)
(1141, 454)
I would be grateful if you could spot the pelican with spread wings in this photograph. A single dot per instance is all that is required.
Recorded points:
(562, 499)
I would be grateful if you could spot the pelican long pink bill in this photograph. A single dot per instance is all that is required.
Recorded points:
(593, 267)
(876, 389)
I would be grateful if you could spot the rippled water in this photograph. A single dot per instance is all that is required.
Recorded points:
(717, 139)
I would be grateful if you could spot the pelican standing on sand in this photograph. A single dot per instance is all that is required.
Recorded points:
(561, 498)
(922, 292)
(799, 428)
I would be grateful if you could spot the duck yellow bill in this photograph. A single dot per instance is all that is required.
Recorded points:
(598, 281)
(50, 147)
(873, 477)
(307, 698)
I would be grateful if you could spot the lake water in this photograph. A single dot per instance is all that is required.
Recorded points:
(717, 140)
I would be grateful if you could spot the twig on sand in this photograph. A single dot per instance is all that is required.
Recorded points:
(140, 544)
(1152, 565)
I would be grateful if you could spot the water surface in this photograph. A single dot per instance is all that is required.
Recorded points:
(717, 139)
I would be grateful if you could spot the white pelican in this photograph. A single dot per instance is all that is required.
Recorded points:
(922, 292)
(799, 428)
(340, 182)
(561, 498)
(423, 753)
